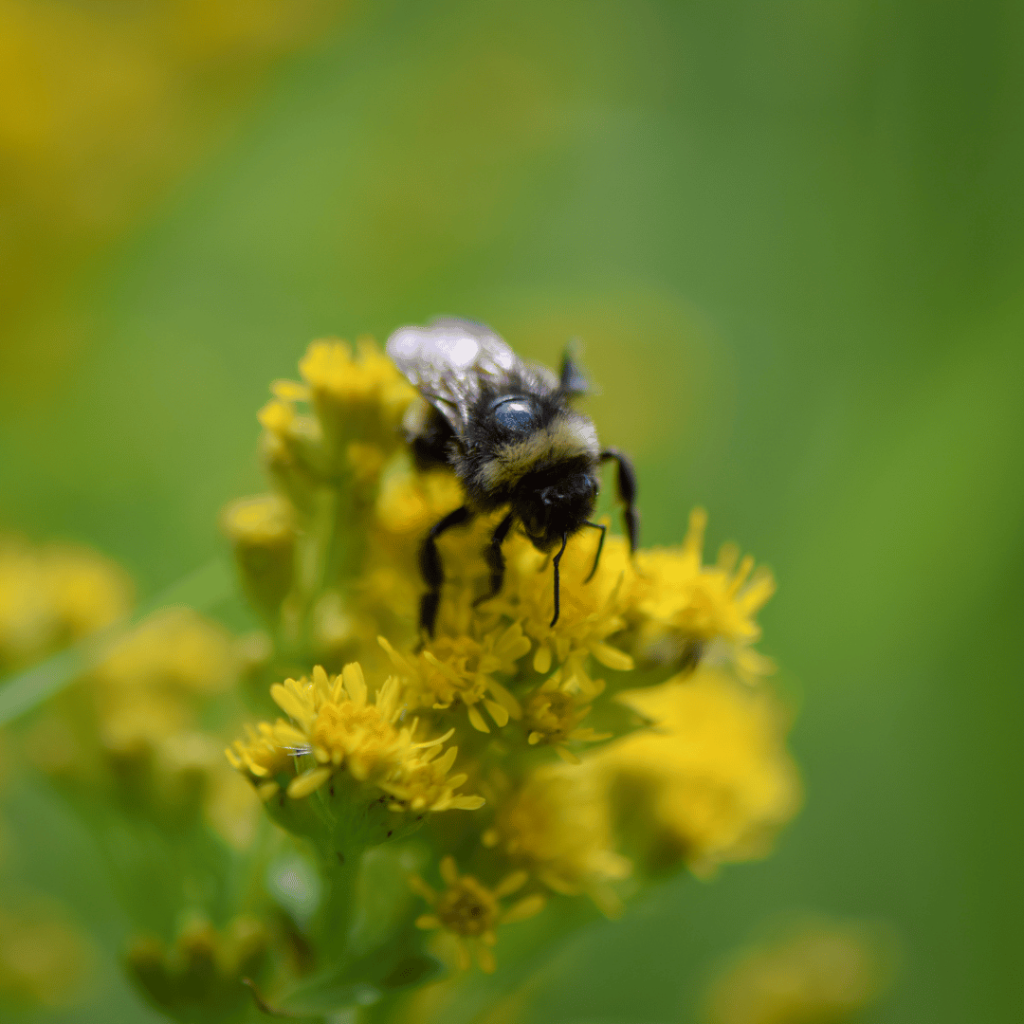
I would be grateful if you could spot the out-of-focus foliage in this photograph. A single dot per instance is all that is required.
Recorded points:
(791, 238)
(103, 107)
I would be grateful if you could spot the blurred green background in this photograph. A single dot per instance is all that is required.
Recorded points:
(790, 236)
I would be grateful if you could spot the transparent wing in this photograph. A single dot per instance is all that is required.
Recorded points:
(452, 362)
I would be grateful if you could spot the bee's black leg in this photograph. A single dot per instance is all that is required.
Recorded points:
(495, 559)
(431, 568)
(627, 494)
(600, 546)
(555, 561)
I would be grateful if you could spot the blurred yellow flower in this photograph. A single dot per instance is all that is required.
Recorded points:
(44, 959)
(52, 595)
(710, 780)
(262, 532)
(204, 967)
(817, 973)
(556, 825)
(471, 912)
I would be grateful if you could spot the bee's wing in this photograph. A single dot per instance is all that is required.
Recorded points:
(452, 361)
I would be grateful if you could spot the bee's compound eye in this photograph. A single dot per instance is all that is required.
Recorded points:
(516, 415)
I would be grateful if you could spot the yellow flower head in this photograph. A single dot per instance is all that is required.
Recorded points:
(470, 912)
(334, 723)
(682, 609)
(261, 758)
(557, 827)
(462, 670)
(53, 595)
(817, 971)
(711, 777)
(553, 716)
(262, 532)
(175, 651)
(356, 394)
(592, 609)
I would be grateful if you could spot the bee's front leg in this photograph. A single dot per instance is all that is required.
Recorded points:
(495, 559)
(431, 568)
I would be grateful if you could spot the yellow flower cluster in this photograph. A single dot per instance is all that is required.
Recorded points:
(204, 966)
(44, 959)
(133, 724)
(684, 611)
(337, 727)
(816, 971)
(557, 825)
(710, 780)
(52, 595)
(578, 767)
(470, 912)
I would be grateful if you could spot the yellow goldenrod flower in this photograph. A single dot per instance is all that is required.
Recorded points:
(710, 781)
(592, 610)
(358, 394)
(204, 966)
(334, 723)
(175, 651)
(819, 972)
(462, 670)
(471, 913)
(557, 826)
(684, 611)
(262, 532)
(51, 596)
(291, 446)
(261, 757)
(550, 715)
(44, 960)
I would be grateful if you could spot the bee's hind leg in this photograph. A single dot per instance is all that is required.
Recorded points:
(626, 480)
(431, 568)
(495, 559)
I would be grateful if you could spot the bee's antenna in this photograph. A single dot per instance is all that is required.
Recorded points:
(555, 561)
(572, 380)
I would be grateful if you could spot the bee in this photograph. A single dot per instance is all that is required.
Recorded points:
(508, 430)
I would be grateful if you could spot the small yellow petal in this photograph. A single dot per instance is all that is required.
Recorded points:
(287, 701)
(567, 755)
(612, 657)
(542, 660)
(498, 713)
(355, 683)
(476, 719)
(486, 960)
(510, 883)
(449, 872)
(309, 781)
(528, 906)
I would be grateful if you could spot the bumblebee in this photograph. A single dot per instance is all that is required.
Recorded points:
(507, 429)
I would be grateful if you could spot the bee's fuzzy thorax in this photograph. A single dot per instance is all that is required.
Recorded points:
(568, 438)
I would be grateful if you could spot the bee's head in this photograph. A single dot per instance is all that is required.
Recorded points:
(553, 507)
